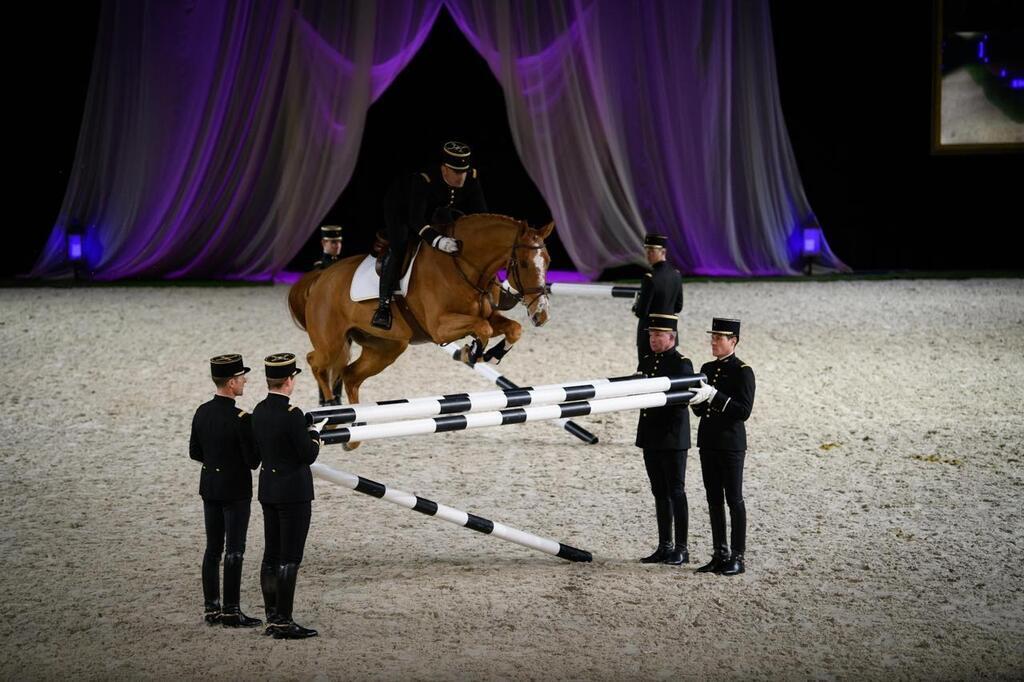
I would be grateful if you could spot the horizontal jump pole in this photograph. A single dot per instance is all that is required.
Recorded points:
(498, 379)
(450, 514)
(510, 395)
(513, 415)
(597, 290)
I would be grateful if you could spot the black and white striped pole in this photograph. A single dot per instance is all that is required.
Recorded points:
(450, 514)
(503, 382)
(596, 290)
(512, 415)
(510, 395)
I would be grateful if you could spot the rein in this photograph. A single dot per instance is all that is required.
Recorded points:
(518, 292)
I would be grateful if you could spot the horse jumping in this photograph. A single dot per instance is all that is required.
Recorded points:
(450, 297)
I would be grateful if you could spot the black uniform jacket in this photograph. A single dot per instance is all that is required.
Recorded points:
(721, 418)
(414, 200)
(326, 261)
(286, 448)
(222, 440)
(664, 428)
(661, 291)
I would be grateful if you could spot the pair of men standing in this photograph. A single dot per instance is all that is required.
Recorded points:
(664, 433)
(229, 443)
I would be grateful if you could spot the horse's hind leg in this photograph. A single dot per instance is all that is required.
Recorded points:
(327, 364)
(377, 354)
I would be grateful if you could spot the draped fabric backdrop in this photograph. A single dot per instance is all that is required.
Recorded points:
(217, 135)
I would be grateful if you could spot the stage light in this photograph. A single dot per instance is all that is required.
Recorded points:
(811, 248)
(73, 239)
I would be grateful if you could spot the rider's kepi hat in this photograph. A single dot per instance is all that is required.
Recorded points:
(456, 155)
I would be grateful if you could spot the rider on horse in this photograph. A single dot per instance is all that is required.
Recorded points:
(416, 203)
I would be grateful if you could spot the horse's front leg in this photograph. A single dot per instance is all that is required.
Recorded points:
(502, 326)
(453, 326)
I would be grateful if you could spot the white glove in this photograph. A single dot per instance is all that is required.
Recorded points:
(318, 426)
(703, 393)
(446, 244)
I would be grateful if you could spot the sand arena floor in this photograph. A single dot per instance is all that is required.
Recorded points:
(884, 484)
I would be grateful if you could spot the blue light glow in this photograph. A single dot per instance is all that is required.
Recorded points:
(1017, 83)
(981, 50)
(74, 247)
(812, 241)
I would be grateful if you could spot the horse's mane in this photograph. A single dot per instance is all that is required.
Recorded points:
(494, 215)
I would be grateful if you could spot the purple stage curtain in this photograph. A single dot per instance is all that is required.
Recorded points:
(216, 135)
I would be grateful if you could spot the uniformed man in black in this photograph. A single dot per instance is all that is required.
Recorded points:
(664, 435)
(286, 449)
(722, 439)
(330, 242)
(661, 289)
(419, 204)
(222, 440)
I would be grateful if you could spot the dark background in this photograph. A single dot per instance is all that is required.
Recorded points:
(856, 89)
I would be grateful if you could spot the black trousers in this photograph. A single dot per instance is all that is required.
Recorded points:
(666, 470)
(722, 471)
(285, 527)
(225, 520)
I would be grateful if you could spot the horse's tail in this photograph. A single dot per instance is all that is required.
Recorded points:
(297, 296)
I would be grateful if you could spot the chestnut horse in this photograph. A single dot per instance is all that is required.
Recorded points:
(449, 298)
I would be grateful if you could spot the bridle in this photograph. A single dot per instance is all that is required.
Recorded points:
(518, 292)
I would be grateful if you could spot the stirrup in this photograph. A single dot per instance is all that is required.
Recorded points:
(382, 317)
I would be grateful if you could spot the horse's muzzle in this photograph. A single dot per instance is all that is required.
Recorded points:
(539, 312)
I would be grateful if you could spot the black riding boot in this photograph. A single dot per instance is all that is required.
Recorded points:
(738, 518)
(286, 628)
(211, 589)
(681, 514)
(721, 549)
(663, 513)
(232, 616)
(268, 583)
(382, 318)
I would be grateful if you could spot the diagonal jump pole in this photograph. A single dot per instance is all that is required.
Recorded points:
(450, 514)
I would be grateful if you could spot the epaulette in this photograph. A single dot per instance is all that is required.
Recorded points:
(242, 413)
(743, 364)
(292, 407)
(426, 177)
(317, 264)
(647, 274)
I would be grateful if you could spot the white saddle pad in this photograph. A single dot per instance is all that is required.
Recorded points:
(366, 283)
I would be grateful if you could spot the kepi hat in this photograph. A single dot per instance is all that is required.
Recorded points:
(661, 322)
(280, 366)
(456, 155)
(330, 232)
(227, 366)
(655, 241)
(725, 325)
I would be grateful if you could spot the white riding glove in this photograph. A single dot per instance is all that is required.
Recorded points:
(318, 426)
(703, 393)
(446, 244)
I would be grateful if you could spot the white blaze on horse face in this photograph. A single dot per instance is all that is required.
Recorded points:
(539, 314)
